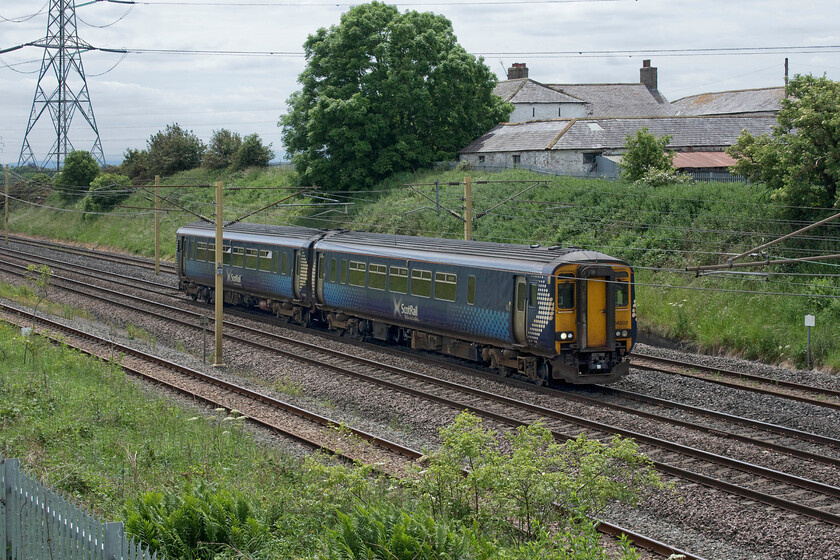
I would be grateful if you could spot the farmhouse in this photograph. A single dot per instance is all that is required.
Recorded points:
(581, 129)
(591, 147)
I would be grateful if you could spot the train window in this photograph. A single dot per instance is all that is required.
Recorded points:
(357, 273)
(343, 271)
(284, 264)
(471, 290)
(521, 296)
(377, 276)
(446, 286)
(251, 258)
(238, 256)
(333, 268)
(565, 292)
(399, 280)
(201, 252)
(266, 261)
(226, 254)
(321, 272)
(622, 293)
(532, 298)
(421, 283)
(211, 252)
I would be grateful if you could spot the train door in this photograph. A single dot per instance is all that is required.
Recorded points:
(319, 283)
(301, 273)
(520, 306)
(597, 303)
(182, 248)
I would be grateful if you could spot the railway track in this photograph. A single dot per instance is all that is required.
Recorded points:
(802, 496)
(288, 420)
(817, 396)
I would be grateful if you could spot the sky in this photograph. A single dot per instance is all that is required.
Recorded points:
(697, 46)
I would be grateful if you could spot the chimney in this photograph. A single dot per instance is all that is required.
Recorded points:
(517, 71)
(647, 75)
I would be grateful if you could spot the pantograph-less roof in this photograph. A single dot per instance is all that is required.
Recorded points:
(763, 100)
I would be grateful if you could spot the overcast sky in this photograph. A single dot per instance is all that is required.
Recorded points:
(561, 41)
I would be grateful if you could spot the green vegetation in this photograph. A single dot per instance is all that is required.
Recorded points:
(658, 230)
(385, 92)
(198, 486)
(800, 161)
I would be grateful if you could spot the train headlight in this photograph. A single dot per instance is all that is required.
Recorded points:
(566, 336)
(562, 336)
(624, 334)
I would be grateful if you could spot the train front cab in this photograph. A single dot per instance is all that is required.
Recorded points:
(594, 323)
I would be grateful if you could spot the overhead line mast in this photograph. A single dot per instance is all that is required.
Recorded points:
(61, 69)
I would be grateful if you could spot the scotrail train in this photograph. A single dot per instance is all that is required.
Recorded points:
(548, 314)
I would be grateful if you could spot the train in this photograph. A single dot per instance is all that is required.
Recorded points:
(548, 314)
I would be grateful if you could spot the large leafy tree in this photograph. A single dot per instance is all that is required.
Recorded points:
(382, 92)
(173, 150)
(800, 160)
(223, 147)
(252, 153)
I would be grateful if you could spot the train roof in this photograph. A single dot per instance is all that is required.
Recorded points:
(526, 258)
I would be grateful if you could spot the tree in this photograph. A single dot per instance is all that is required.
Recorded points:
(137, 166)
(800, 161)
(173, 150)
(385, 92)
(223, 147)
(79, 170)
(106, 191)
(252, 153)
(646, 153)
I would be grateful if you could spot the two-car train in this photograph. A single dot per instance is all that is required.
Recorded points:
(549, 314)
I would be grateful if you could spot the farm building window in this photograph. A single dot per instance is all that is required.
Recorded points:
(421, 283)
(565, 292)
(446, 286)
(378, 276)
(357, 273)
(266, 261)
(201, 252)
(533, 111)
(226, 254)
(399, 280)
(321, 272)
(333, 267)
(480, 159)
(589, 157)
(251, 258)
(471, 290)
(238, 256)
(532, 300)
(559, 111)
(517, 160)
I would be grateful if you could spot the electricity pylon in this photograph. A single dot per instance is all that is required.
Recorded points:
(61, 73)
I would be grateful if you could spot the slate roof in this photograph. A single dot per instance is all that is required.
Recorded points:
(611, 133)
(526, 90)
(618, 100)
(764, 100)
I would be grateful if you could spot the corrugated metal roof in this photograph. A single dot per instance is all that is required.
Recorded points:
(700, 160)
(612, 133)
(618, 100)
(764, 100)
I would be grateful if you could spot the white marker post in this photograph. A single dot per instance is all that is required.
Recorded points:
(810, 321)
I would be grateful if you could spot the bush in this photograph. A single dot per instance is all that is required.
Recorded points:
(107, 191)
(173, 150)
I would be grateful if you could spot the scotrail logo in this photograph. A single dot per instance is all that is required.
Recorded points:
(405, 311)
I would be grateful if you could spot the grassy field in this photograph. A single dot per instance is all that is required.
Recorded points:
(660, 231)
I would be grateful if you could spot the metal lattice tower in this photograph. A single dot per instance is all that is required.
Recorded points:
(61, 73)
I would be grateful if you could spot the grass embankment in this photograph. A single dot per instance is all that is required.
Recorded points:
(199, 486)
(658, 230)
